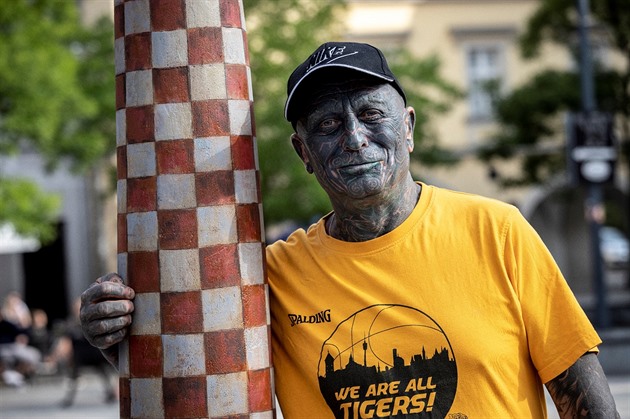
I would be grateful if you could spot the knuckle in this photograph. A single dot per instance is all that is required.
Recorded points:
(112, 276)
(102, 327)
(113, 338)
(108, 287)
(127, 320)
(100, 310)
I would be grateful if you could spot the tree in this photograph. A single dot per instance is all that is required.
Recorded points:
(30, 211)
(56, 98)
(280, 38)
(531, 118)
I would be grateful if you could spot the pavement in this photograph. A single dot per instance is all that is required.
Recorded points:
(42, 398)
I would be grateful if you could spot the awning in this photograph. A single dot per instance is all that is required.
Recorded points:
(12, 242)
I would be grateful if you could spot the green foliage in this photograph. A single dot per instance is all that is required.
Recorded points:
(31, 211)
(281, 37)
(57, 93)
(532, 115)
(554, 20)
(526, 122)
(93, 136)
(429, 94)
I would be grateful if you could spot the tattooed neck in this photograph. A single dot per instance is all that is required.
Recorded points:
(358, 223)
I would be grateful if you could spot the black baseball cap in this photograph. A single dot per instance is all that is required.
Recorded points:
(352, 56)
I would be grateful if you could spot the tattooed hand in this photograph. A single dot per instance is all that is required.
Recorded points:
(106, 309)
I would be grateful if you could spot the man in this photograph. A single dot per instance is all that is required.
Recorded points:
(406, 300)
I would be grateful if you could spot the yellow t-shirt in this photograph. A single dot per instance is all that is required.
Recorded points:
(460, 312)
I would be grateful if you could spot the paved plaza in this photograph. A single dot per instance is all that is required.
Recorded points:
(42, 400)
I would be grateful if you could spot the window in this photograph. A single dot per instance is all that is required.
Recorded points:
(484, 64)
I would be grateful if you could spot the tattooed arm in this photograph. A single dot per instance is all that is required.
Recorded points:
(582, 391)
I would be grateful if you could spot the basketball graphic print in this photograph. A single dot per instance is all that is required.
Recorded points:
(388, 361)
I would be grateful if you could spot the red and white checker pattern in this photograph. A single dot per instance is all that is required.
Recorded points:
(189, 213)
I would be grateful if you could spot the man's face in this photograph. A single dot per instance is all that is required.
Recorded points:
(356, 137)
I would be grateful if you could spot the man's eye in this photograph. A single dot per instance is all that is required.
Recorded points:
(370, 115)
(328, 124)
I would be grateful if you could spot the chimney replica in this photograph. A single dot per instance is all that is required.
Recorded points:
(190, 238)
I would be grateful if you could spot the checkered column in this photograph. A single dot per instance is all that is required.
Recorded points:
(189, 213)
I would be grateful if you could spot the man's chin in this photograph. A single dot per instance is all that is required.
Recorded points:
(365, 188)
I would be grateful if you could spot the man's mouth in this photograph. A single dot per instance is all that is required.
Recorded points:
(356, 168)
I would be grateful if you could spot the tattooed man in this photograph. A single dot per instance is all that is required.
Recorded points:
(406, 300)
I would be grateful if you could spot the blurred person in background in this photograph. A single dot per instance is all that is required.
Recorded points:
(39, 335)
(73, 354)
(18, 360)
(15, 310)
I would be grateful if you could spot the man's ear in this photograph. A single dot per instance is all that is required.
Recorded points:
(300, 149)
(410, 123)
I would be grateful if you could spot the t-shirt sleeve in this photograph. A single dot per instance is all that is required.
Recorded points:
(558, 331)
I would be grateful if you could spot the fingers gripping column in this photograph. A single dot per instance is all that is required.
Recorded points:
(189, 213)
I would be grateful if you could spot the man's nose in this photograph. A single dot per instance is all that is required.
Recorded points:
(354, 137)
